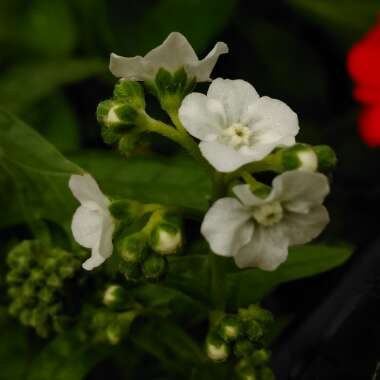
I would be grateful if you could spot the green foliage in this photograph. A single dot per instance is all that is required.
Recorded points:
(35, 173)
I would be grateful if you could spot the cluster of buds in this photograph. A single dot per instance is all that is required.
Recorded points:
(143, 253)
(119, 116)
(37, 280)
(243, 337)
(111, 321)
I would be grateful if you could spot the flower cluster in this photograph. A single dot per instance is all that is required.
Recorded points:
(363, 65)
(237, 134)
(38, 280)
(244, 337)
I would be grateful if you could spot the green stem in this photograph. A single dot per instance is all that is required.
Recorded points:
(217, 283)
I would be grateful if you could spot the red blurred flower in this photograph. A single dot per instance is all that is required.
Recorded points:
(364, 67)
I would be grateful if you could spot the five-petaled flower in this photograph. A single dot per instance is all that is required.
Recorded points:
(235, 125)
(92, 225)
(173, 54)
(256, 231)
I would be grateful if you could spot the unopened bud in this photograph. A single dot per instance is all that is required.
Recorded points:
(257, 313)
(266, 374)
(115, 114)
(131, 271)
(246, 371)
(133, 248)
(129, 141)
(115, 296)
(326, 158)
(217, 349)
(130, 92)
(154, 267)
(243, 348)
(301, 157)
(230, 328)
(114, 333)
(166, 238)
(260, 357)
(254, 330)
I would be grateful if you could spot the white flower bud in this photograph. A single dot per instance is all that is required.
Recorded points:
(217, 350)
(166, 239)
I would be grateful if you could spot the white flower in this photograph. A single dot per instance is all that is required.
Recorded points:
(92, 224)
(235, 125)
(174, 53)
(257, 232)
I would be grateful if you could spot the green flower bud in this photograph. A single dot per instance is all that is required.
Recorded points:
(245, 370)
(133, 248)
(128, 142)
(67, 271)
(254, 330)
(14, 277)
(114, 333)
(54, 281)
(37, 275)
(216, 348)
(26, 317)
(102, 318)
(243, 348)
(326, 158)
(51, 264)
(154, 267)
(20, 256)
(16, 306)
(166, 238)
(125, 210)
(257, 313)
(131, 271)
(117, 114)
(260, 357)
(230, 328)
(14, 291)
(130, 92)
(46, 295)
(39, 316)
(115, 296)
(29, 289)
(266, 374)
(299, 156)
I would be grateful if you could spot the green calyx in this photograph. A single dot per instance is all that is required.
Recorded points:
(216, 348)
(126, 210)
(115, 296)
(326, 158)
(133, 248)
(130, 92)
(171, 88)
(154, 267)
(230, 328)
(299, 156)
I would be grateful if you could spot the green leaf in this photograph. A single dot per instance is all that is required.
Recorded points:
(249, 286)
(33, 174)
(24, 84)
(347, 19)
(66, 358)
(177, 181)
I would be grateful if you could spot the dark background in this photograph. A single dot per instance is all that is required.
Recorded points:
(53, 61)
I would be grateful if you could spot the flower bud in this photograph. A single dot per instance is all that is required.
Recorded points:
(115, 296)
(326, 158)
(54, 281)
(266, 374)
(37, 275)
(130, 92)
(46, 295)
(230, 328)
(243, 348)
(112, 113)
(26, 317)
(217, 349)
(133, 248)
(125, 210)
(254, 330)
(114, 333)
(28, 289)
(154, 267)
(260, 357)
(128, 142)
(131, 271)
(255, 312)
(301, 157)
(166, 238)
(245, 370)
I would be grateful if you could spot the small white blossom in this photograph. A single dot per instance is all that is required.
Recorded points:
(257, 232)
(174, 53)
(235, 125)
(92, 225)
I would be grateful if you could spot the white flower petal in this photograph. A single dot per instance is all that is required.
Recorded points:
(302, 228)
(85, 189)
(245, 195)
(203, 69)
(267, 249)
(131, 68)
(201, 116)
(272, 122)
(94, 261)
(86, 226)
(227, 226)
(300, 190)
(235, 95)
(225, 158)
(173, 53)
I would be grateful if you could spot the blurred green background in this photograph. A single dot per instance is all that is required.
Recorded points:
(54, 57)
